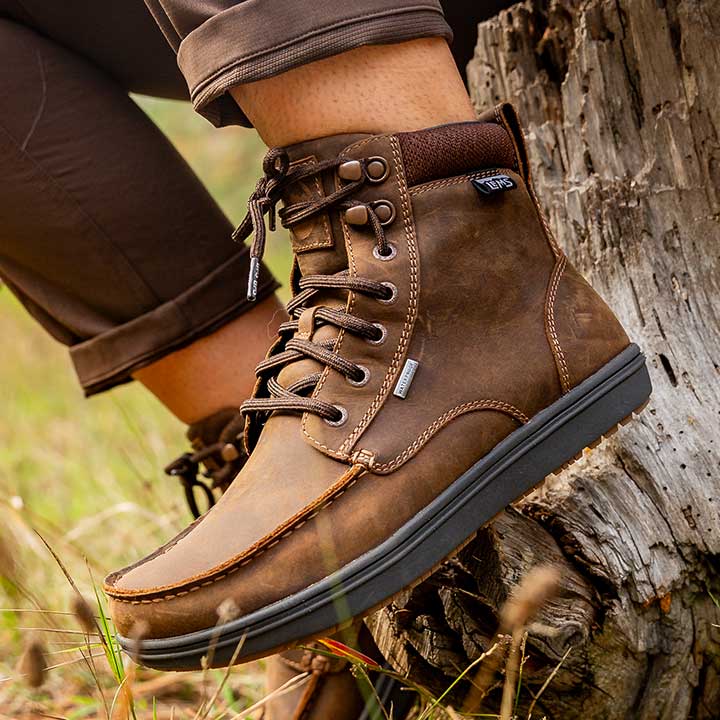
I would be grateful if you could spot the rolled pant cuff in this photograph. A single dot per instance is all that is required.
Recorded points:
(110, 359)
(257, 39)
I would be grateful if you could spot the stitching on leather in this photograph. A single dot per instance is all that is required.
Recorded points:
(412, 303)
(340, 338)
(543, 221)
(550, 327)
(342, 451)
(350, 477)
(328, 242)
(444, 420)
(458, 180)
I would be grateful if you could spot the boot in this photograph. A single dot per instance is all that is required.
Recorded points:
(442, 358)
(217, 444)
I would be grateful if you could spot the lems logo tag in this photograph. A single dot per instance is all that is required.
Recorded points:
(493, 184)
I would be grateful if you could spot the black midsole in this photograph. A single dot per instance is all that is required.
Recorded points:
(516, 465)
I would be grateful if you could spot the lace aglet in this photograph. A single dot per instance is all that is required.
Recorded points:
(253, 277)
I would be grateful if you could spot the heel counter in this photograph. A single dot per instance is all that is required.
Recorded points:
(583, 331)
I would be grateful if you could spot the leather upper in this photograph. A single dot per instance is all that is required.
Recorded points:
(486, 304)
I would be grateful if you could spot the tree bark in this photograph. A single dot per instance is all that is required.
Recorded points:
(621, 105)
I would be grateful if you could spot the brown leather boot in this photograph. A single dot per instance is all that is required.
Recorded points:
(443, 357)
(217, 445)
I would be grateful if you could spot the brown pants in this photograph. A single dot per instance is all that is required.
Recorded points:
(106, 236)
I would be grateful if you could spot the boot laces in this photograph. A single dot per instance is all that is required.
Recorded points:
(218, 470)
(278, 176)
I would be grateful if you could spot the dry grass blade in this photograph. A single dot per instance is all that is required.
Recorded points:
(291, 684)
(7, 560)
(73, 662)
(61, 631)
(91, 627)
(59, 562)
(533, 591)
(64, 613)
(369, 684)
(547, 682)
(426, 714)
(136, 636)
(511, 675)
(123, 704)
(204, 711)
(85, 616)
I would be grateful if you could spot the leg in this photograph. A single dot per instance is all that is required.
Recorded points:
(112, 243)
(349, 93)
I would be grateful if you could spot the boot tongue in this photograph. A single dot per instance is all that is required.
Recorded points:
(318, 242)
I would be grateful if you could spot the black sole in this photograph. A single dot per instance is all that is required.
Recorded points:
(515, 466)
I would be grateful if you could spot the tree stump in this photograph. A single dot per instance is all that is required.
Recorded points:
(621, 105)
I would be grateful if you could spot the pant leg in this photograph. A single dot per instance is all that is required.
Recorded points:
(106, 235)
(222, 43)
(116, 36)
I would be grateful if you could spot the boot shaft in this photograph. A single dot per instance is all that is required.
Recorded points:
(470, 262)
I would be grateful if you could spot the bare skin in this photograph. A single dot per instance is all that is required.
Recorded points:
(374, 89)
(216, 371)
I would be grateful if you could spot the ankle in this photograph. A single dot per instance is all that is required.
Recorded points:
(372, 89)
(216, 371)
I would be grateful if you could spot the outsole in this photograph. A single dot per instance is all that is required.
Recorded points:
(620, 384)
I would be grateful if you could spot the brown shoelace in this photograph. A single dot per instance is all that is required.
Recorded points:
(295, 398)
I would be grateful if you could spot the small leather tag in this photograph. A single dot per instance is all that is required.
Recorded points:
(315, 233)
(493, 184)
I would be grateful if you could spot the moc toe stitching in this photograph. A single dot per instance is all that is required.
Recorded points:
(136, 596)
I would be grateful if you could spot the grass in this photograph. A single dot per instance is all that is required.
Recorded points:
(82, 480)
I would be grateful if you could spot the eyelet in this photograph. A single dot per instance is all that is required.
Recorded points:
(382, 166)
(385, 258)
(383, 335)
(341, 420)
(384, 210)
(393, 294)
(363, 381)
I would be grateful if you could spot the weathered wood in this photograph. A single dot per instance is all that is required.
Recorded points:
(621, 103)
